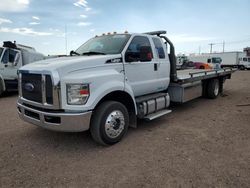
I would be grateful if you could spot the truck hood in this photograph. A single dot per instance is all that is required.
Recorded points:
(69, 64)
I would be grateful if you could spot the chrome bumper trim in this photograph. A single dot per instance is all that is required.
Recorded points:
(69, 122)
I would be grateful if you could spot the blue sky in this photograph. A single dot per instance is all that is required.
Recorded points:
(189, 23)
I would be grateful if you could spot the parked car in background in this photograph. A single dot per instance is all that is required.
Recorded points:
(206, 61)
(201, 65)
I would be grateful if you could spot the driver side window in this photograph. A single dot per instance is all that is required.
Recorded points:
(9, 56)
(139, 50)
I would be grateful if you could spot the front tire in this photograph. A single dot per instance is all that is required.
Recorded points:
(109, 123)
(213, 89)
(1, 88)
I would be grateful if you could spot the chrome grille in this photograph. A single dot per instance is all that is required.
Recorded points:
(35, 81)
(38, 90)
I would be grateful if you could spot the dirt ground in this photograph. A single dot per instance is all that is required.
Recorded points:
(203, 143)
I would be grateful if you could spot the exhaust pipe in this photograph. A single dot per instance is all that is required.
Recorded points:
(172, 58)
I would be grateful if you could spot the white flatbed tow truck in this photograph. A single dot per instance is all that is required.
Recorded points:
(108, 83)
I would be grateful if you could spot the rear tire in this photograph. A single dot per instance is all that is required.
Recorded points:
(109, 123)
(213, 89)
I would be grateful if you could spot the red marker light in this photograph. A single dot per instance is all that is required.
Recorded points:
(84, 92)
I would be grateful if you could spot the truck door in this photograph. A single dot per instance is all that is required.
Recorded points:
(140, 68)
(163, 65)
(10, 62)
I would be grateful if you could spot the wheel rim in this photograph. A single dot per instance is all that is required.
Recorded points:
(216, 89)
(114, 124)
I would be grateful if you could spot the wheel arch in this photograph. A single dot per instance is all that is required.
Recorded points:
(126, 99)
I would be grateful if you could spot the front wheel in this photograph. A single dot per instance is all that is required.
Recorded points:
(109, 123)
(1, 88)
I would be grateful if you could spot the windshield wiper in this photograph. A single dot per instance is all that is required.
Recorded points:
(93, 53)
(72, 52)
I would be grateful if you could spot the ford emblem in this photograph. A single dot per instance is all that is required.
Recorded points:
(29, 87)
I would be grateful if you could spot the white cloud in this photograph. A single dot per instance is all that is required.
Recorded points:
(3, 20)
(83, 16)
(81, 3)
(13, 5)
(34, 23)
(88, 9)
(92, 30)
(35, 18)
(84, 23)
(24, 31)
(25, 2)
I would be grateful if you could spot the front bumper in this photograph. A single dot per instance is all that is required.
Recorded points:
(65, 122)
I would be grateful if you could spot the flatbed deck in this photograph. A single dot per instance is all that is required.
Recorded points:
(191, 75)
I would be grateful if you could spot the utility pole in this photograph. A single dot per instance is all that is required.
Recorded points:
(211, 47)
(223, 46)
(66, 40)
(199, 50)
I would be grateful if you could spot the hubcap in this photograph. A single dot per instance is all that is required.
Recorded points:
(216, 89)
(114, 124)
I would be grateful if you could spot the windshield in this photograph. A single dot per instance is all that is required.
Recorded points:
(1, 51)
(108, 44)
(216, 60)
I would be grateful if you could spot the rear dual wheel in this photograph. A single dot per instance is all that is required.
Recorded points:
(213, 89)
(109, 123)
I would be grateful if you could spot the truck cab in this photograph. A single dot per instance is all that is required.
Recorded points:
(244, 63)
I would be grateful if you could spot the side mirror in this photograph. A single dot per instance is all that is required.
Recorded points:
(146, 53)
(128, 57)
(72, 52)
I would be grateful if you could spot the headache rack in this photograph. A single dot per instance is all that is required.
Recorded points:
(158, 33)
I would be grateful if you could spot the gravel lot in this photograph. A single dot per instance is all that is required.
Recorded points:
(203, 143)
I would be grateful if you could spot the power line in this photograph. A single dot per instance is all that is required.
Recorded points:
(223, 48)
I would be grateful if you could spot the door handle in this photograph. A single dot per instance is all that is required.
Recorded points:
(155, 66)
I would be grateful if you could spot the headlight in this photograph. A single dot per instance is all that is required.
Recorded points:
(77, 94)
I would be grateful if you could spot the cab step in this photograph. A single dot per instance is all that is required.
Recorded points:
(157, 114)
